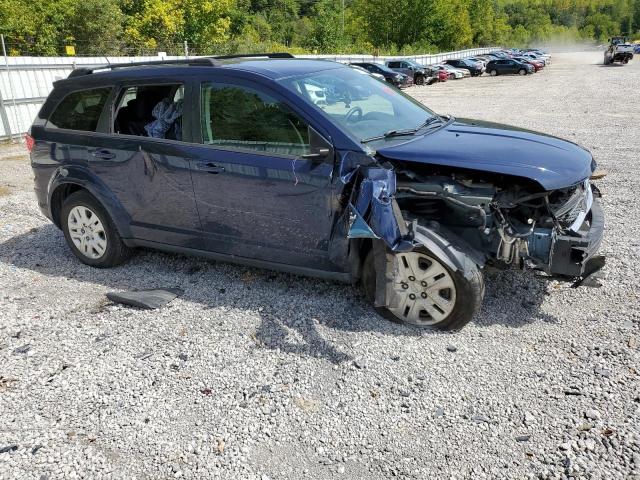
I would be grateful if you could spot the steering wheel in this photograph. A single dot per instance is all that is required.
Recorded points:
(354, 115)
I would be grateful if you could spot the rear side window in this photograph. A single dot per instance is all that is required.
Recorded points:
(394, 65)
(80, 110)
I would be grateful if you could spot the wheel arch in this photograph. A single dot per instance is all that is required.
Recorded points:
(67, 181)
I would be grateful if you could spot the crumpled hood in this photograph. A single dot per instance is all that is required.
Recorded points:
(552, 162)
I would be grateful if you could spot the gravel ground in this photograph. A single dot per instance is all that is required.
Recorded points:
(253, 374)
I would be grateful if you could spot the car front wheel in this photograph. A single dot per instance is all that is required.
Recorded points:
(90, 232)
(522, 71)
(419, 80)
(427, 292)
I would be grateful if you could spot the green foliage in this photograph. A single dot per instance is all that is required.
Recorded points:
(111, 27)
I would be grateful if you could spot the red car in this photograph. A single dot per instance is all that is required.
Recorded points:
(536, 65)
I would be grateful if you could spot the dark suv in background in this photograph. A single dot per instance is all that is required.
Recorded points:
(313, 168)
(506, 66)
(397, 79)
(421, 75)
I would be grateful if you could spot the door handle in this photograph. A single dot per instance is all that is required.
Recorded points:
(209, 167)
(103, 154)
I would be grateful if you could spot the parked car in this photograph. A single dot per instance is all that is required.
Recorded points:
(474, 68)
(398, 79)
(379, 76)
(419, 73)
(480, 60)
(230, 158)
(537, 65)
(534, 56)
(501, 67)
(454, 73)
(442, 74)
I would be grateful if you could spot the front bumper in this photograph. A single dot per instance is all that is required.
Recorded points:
(571, 254)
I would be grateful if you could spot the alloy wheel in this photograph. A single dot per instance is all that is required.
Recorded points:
(425, 288)
(87, 232)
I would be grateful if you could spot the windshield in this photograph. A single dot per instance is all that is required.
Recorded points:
(362, 105)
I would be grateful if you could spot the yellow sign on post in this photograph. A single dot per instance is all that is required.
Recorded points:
(71, 50)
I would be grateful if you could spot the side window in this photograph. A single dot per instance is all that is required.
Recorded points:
(394, 65)
(150, 111)
(80, 110)
(240, 117)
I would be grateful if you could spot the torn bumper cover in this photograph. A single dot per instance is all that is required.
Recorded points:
(574, 255)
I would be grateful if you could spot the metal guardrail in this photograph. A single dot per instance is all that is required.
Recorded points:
(25, 82)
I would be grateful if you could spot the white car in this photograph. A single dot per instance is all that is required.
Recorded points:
(456, 73)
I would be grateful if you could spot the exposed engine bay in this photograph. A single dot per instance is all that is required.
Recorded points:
(506, 221)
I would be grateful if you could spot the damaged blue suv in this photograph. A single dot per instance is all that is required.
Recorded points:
(313, 168)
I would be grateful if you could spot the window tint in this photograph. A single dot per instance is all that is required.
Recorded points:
(241, 117)
(394, 65)
(80, 110)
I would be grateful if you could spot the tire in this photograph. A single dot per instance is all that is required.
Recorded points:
(493, 73)
(522, 71)
(419, 80)
(90, 232)
(468, 292)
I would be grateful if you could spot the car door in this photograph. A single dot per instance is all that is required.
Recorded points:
(148, 169)
(512, 66)
(262, 176)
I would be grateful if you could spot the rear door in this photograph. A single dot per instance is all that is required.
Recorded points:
(143, 158)
(259, 193)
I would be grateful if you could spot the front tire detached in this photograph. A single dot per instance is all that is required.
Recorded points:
(463, 291)
(90, 232)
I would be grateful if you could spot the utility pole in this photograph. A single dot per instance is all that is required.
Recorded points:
(342, 30)
(186, 49)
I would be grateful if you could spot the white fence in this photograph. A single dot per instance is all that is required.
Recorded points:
(25, 82)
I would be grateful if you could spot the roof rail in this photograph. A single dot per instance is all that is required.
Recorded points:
(255, 55)
(198, 61)
(201, 61)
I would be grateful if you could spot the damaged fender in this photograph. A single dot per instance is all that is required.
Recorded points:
(374, 213)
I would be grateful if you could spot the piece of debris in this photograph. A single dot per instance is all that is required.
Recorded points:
(6, 382)
(523, 438)
(572, 391)
(23, 349)
(9, 448)
(598, 174)
(147, 299)
(451, 348)
(144, 355)
(35, 449)
(206, 391)
(220, 446)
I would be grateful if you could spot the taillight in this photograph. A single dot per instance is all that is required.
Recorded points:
(29, 142)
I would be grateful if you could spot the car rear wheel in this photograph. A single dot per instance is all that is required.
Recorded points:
(90, 232)
(419, 80)
(429, 293)
(493, 73)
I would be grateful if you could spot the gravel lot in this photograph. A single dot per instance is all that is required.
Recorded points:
(252, 374)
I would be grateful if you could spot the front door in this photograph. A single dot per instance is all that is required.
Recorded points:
(262, 189)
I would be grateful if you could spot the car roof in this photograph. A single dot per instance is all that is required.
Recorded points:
(267, 67)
